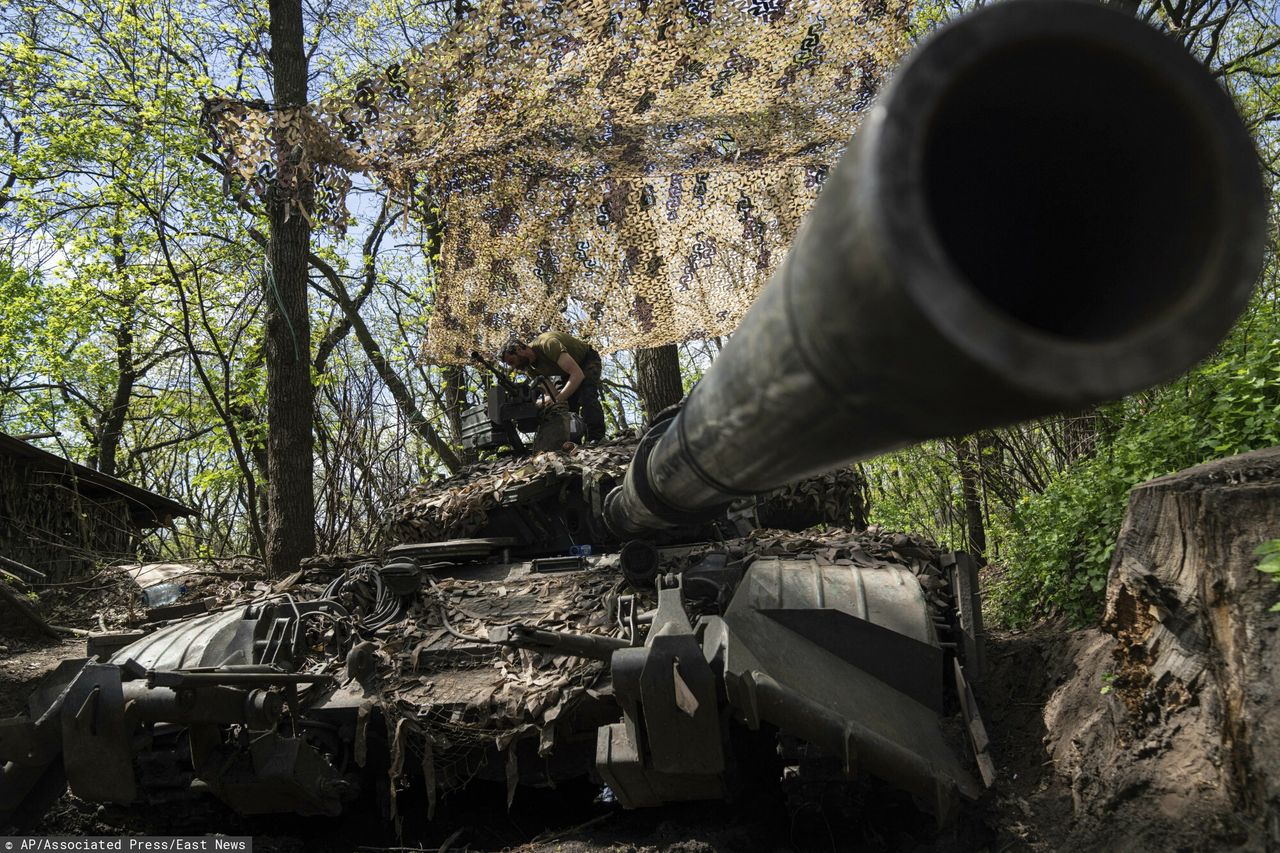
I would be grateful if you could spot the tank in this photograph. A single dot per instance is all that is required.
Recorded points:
(1003, 240)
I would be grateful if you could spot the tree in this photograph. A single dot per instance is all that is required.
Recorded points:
(969, 464)
(290, 397)
(658, 378)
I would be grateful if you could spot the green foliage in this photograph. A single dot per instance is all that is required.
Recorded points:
(1064, 539)
(21, 306)
(1054, 493)
(1060, 555)
(917, 489)
(1269, 563)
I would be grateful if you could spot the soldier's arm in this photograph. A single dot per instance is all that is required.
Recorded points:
(570, 366)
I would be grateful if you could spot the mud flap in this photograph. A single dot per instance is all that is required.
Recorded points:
(669, 746)
(864, 695)
(30, 748)
(96, 740)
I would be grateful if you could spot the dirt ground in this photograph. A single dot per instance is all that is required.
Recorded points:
(23, 662)
(1029, 809)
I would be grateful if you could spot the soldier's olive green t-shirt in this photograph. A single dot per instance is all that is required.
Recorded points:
(547, 348)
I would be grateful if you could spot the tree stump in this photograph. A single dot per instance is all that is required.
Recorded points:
(1175, 725)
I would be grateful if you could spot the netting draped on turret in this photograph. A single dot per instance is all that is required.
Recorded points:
(627, 171)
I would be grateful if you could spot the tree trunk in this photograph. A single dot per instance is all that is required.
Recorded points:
(970, 463)
(111, 424)
(658, 378)
(860, 511)
(369, 256)
(290, 399)
(455, 388)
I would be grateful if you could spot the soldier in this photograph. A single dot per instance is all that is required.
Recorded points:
(555, 354)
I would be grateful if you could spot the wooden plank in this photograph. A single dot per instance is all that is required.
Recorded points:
(977, 729)
(969, 608)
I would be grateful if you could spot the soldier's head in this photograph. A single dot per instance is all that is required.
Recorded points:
(517, 354)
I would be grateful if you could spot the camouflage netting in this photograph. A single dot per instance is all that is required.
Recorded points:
(628, 171)
(458, 506)
(451, 703)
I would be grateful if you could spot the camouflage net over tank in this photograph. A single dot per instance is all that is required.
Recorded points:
(458, 506)
(457, 706)
(630, 171)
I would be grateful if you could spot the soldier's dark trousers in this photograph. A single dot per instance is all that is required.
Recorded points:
(586, 400)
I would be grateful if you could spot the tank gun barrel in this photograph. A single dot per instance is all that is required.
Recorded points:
(1050, 206)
